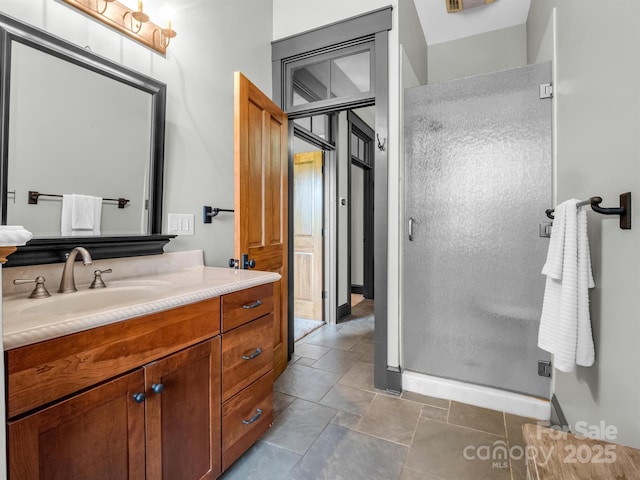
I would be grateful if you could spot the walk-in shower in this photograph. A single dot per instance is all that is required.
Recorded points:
(478, 181)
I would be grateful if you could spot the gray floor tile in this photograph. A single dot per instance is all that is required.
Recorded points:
(413, 475)
(338, 361)
(280, 402)
(310, 351)
(262, 461)
(451, 452)
(434, 413)
(366, 349)
(349, 399)
(340, 453)
(391, 418)
(305, 382)
(346, 420)
(360, 376)
(334, 339)
(427, 400)
(298, 426)
(478, 418)
(307, 362)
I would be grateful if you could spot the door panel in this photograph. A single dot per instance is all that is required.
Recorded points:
(261, 176)
(97, 434)
(183, 419)
(478, 180)
(307, 234)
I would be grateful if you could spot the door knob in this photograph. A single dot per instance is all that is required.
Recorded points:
(157, 387)
(139, 397)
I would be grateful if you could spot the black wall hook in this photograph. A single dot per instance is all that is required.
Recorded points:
(624, 210)
(381, 145)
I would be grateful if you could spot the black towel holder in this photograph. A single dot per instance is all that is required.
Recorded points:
(624, 210)
(209, 212)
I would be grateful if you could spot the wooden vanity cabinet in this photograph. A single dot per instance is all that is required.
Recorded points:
(163, 396)
(159, 419)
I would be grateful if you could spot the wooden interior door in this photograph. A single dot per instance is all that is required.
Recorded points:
(261, 196)
(98, 434)
(307, 234)
(183, 414)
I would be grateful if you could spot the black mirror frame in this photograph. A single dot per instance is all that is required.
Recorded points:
(53, 249)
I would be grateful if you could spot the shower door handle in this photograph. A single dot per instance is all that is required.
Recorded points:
(411, 222)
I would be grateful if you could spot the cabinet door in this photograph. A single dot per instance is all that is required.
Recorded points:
(98, 434)
(183, 414)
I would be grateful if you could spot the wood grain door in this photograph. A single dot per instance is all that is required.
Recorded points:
(98, 434)
(307, 234)
(261, 196)
(183, 414)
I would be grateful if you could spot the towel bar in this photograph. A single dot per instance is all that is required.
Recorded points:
(209, 212)
(624, 210)
(33, 198)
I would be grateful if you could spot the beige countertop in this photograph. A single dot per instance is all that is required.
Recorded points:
(27, 320)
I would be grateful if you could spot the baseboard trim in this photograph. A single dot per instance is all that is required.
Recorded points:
(359, 289)
(344, 311)
(481, 396)
(394, 380)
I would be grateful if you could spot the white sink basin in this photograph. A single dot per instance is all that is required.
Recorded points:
(96, 299)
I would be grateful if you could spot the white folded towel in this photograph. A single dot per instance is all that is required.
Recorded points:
(81, 215)
(565, 323)
(14, 235)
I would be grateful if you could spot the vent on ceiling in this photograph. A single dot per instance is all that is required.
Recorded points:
(460, 5)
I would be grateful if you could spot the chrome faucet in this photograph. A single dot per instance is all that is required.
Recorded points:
(68, 282)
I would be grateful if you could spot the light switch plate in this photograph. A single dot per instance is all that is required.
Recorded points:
(181, 224)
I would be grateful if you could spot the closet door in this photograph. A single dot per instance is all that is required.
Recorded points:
(478, 181)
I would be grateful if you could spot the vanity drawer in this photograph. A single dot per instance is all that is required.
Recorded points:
(245, 418)
(46, 371)
(247, 354)
(243, 306)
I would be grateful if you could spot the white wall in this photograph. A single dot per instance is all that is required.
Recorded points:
(597, 103)
(483, 53)
(212, 43)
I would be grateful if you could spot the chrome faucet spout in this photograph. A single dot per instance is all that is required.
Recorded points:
(68, 282)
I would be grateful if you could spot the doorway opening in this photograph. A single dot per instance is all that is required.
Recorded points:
(310, 145)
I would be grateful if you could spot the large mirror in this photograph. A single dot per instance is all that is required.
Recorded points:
(73, 122)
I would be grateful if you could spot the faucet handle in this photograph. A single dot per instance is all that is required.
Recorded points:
(39, 291)
(97, 279)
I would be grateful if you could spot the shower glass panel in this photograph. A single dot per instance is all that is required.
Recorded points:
(478, 180)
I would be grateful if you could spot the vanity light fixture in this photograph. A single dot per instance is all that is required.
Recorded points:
(136, 24)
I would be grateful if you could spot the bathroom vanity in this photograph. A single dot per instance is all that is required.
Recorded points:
(168, 377)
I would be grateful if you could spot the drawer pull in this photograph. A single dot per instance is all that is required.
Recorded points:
(254, 418)
(138, 397)
(255, 304)
(253, 355)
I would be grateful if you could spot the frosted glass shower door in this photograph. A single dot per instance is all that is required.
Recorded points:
(478, 180)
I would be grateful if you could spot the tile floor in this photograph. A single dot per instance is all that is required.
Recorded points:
(331, 423)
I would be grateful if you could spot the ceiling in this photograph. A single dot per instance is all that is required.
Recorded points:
(440, 26)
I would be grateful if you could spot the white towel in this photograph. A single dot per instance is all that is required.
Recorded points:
(565, 324)
(81, 215)
(11, 235)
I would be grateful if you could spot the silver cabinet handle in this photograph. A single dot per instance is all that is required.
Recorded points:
(255, 304)
(254, 418)
(411, 222)
(253, 355)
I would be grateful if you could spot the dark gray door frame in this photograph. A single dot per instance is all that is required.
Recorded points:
(366, 133)
(375, 24)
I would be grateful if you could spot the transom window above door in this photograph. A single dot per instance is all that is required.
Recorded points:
(330, 78)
